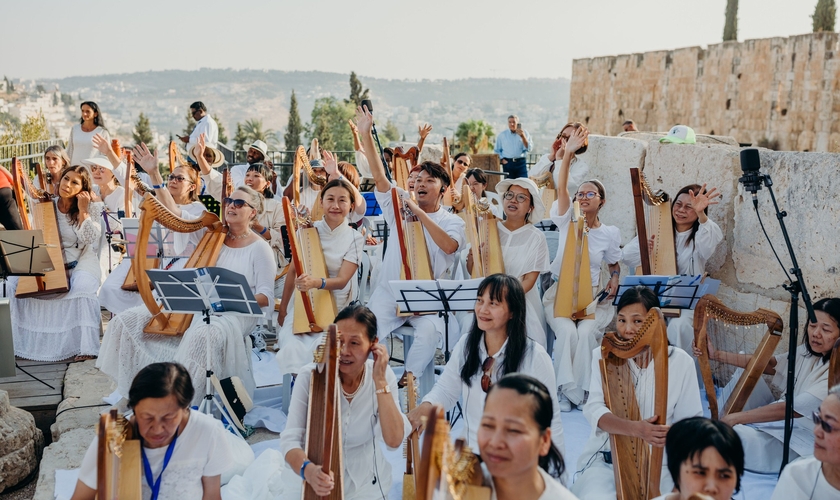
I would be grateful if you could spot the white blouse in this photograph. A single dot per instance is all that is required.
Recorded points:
(803, 479)
(604, 244)
(691, 257)
(80, 146)
(578, 171)
(341, 244)
(81, 243)
(554, 490)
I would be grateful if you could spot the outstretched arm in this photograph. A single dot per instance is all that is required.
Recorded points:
(364, 121)
(575, 142)
(148, 160)
(423, 132)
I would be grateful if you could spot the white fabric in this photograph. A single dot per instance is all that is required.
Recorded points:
(237, 176)
(449, 388)
(554, 490)
(56, 327)
(202, 450)
(80, 145)
(525, 250)
(361, 434)
(108, 258)
(383, 301)
(126, 349)
(691, 257)
(597, 480)
(209, 128)
(804, 480)
(604, 244)
(578, 172)
(362, 164)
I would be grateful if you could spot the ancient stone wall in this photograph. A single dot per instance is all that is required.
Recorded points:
(782, 90)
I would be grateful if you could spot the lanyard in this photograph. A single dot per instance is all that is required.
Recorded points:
(147, 468)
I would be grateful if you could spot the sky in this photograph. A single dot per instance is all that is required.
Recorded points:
(395, 39)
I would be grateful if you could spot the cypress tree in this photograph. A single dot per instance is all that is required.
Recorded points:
(730, 29)
(824, 16)
(294, 128)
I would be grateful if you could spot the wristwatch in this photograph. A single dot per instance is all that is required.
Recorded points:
(384, 390)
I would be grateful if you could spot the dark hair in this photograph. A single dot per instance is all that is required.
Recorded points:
(97, 116)
(502, 288)
(628, 122)
(436, 171)
(525, 385)
(198, 105)
(575, 125)
(267, 173)
(830, 306)
(688, 438)
(342, 183)
(695, 188)
(87, 184)
(159, 380)
(462, 153)
(478, 175)
(602, 191)
(362, 315)
(639, 294)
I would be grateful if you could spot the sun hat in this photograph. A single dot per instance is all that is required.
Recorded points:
(260, 146)
(218, 157)
(523, 182)
(680, 134)
(99, 160)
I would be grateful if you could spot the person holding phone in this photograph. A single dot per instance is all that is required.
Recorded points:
(512, 145)
(204, 124)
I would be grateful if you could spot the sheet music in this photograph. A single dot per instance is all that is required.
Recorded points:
(24, 252)
(196, 290)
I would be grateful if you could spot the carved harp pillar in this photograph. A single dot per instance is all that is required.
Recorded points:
(653, 218)
(574, 287)
(637, 466)
(118, 465)
(482, 234)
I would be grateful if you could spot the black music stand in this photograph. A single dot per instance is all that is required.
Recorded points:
(674, 292)
(161, 240)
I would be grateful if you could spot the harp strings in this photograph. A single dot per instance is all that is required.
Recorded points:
(734, 338)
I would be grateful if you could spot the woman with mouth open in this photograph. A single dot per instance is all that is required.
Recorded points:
(763, 450)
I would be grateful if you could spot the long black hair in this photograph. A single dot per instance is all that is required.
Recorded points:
(830, 306)
(267, 173)
(97, 116)
(159, 380)
(688, 438)
(507, 289)
(525, 385)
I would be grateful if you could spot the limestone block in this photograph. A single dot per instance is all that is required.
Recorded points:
(701, 138)
(21, 443)
(64, 454)
(84, 385)
(805, 187)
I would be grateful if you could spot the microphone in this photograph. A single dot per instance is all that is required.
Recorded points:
(369, 104)
(750, 165)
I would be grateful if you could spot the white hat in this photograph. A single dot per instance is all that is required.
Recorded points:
(680, 134)
(98, 160)
(218, 157)
(260, 146)
(523, 182)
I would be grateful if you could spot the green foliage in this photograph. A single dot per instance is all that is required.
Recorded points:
(825, 14)
(33, 129)
(10, 87)
(40, 89)
(474, 136)
(357, 95)
(239, 138)
(67, 100)
(294, 128)
(190, 122)
(730, 29)
(253, 130)
(390, 132)
(223, 138)
(143, 132)
(55, 99)
(329, 124)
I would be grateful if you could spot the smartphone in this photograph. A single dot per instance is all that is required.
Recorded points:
(518, 126)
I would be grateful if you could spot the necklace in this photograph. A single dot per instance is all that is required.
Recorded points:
(351, 396)
(239, 237)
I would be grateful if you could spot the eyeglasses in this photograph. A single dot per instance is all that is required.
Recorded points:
(462, 162)
(97, 168)
(822, 423)
(179, 178)
(520, 198)
(237, 203)
(487, 366)
(588, 195)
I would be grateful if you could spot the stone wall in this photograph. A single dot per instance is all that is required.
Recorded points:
(772, 89)
(751, 278)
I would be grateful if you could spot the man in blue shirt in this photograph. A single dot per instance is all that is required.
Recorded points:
(512, 145)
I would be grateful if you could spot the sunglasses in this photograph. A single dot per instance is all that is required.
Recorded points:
(588, 195)
(179, 178)
(487, 366)
(520, 198)
(462, 162)
(237, 203)
(822, 423)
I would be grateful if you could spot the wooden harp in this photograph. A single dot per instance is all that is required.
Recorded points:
(130, 281)
(574, 287)
(314, 309)
(756, 332)
(653, 218)
(416, 262)
(446, 163)
(402, 163)
(547, 190)
(317, 212)
(323, 419)
(637, 465)
(204, 255)
(44, 216)
(118, 462)
(411, 449)
(483, 235)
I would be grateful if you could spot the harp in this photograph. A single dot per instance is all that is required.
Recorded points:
(448, 199)
(118, 465)
(653, 218)
(131, 177)
(637, 465)
(547, 190)
(402, 163)
(205, 254)
(756, 332)
(483, 235)
(447, 471)
(314, 309)
(323, 419)
(574, 288)
(317, 212)
(411, 449)
(42, 179)
(44, 217)
(416, 262)
(227, 189)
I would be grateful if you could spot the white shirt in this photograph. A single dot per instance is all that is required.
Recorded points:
(80, 146)
(209, 128)
(578, 172)
(449, 387)
(691, 257)
(803, 479)
(524, 251)
(553, 489)
(360, 428)
(341, 244)
(202, 450)
(604, 244)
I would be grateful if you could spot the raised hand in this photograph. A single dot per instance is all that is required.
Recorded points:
(147, 159)
(703, 199)
(424, 131)
(364, 120)
(101, 144)
(556, 149)
(380, 363)
(353, 127)
(83, 199)
(330, 165)
(576, 140)
(200, 146)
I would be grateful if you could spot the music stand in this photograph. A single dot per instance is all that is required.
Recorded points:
(367, 184)
(206, 290)
(110, 217)
(161, 240)
(674, 292)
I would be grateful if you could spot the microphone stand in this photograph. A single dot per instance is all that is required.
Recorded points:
(381, 151)
(795, 288)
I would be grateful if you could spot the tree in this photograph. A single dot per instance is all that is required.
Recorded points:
(824, 16)
(253, 130)
(474, 135)
(40, 89)
(730, 29)
(391, 132)
(33, 129)
(143, 132)
(329, 124)
(190, 121)
(223, 138)
(239, 138)
(357, 95)
(294, 128)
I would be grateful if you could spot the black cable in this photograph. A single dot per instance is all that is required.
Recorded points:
(771, 245)
(80, 407)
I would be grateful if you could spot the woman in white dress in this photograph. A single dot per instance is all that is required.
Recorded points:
(113, 196)
(516, 444)
(696, 237)
(576, 339)
(80, 145)
(546, 165)
(495, 346)
(186, 451)
(810, 387)
(55, 160)
(342, 247)
(56, 327)
(704, 456)
(126, 348)
(597, 478)
(370, 416)
(816, 477)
